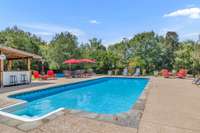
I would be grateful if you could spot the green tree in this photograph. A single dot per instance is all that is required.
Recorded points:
(196, 60)
(122, 53)
(171, 45)
(17, 38)
(147, 47)
(62, 47)
(94, 49)
(183, 56)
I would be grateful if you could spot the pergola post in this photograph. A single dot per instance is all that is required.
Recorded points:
(29, 67)
(9, 65)
(29, 64)
(1, 71)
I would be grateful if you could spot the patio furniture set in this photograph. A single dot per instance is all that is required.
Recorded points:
(79, 73)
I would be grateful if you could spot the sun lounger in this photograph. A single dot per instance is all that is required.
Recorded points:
(125, 72)
(198, 82)
(137, 72)
(195, 80)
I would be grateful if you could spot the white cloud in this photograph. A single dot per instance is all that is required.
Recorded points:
(94, 22)
(193, 13)
(49, 29)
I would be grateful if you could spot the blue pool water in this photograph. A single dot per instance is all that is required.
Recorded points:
(103, 96)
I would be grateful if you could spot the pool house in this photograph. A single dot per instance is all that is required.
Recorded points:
(17, 76)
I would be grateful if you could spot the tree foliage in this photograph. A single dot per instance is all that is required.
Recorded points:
(62, 47)
(146, 50)
(17, 38)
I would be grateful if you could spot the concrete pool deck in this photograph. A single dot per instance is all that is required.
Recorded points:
(172, 106)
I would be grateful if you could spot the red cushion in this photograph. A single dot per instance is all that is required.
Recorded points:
(182, 73)
(50, 72)
(36, 74)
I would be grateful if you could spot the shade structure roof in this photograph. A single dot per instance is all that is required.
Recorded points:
(12, 53)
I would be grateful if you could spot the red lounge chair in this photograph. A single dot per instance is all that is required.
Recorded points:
(182, 73)
(36, 75)
(165, 73)
(51, 74)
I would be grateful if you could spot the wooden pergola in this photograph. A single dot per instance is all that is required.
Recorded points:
(14, 54)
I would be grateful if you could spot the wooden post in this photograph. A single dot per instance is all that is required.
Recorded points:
(29, 68)
(9, 65)
(29, 64)
(1, 71)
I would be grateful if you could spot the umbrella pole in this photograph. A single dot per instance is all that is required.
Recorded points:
(70, 67)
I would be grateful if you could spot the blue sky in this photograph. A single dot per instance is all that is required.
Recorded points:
(109, 20)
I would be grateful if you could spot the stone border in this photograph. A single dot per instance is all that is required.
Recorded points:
(128, 119)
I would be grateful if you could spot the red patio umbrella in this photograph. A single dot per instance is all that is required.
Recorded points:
(72, 61)
(87, 61)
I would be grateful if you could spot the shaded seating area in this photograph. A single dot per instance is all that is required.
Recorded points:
(78, 73)
(10, 76)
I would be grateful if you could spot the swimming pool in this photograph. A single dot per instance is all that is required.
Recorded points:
(103, 96)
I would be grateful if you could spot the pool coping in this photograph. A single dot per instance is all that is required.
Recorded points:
(135, 113)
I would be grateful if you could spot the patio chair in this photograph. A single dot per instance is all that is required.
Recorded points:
(67, 74)
(137, 72)
(182, 73)
(110, 72)
(51, 74)
(165, 73)
(36, 75)
(77, 74)
(90, 73)
(196, 81)
(82, 73)
(125, 72)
